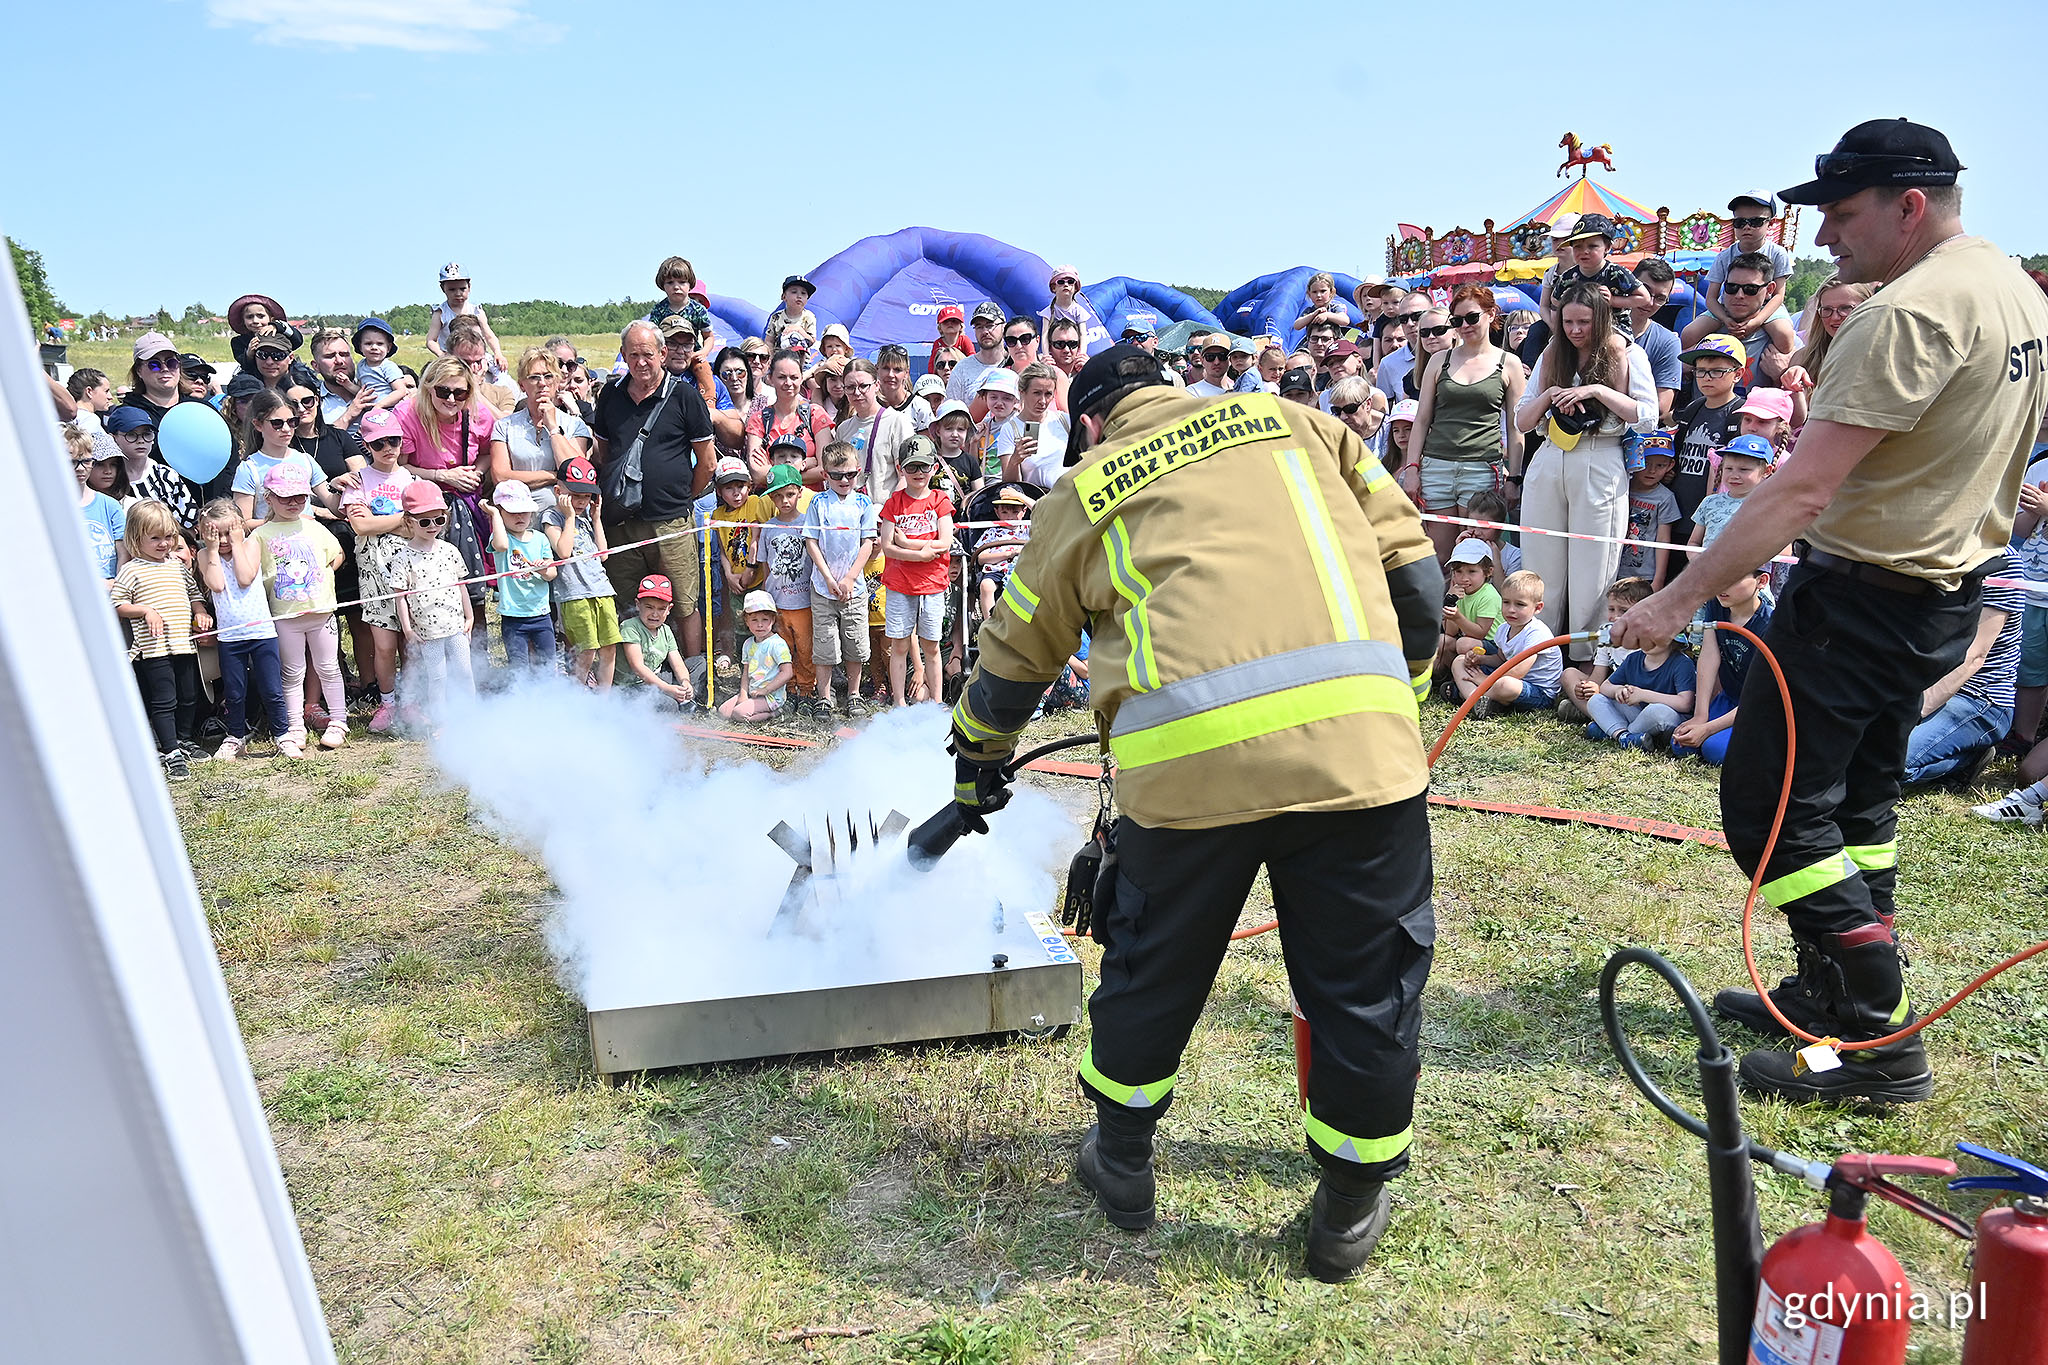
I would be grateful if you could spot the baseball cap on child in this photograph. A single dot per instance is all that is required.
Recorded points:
(422, 495)
(998, 381)
(126, 417)
(1471, 550)
(1755, 447)
(784, 476)
(1297, 381)
(451, 272)
(1656, 443)
(1768, 403)
(1720, 344)
(288, 481)
(789, 440)
(657, 585)
(918, 452)
(730, 469)
(927, 385)
(513, 496)
(1404, 411)
(757, 601)
(577, 476)
(379, 424)
(952, 312)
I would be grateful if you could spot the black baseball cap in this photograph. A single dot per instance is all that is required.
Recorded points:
(1882, 151)
(1121, 366)
(195, 365)
(1592, 225)
(1297, 381)
(800, 282)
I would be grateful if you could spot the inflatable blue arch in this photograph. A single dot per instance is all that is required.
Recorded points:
(736, 319)
(890, 288)
(1117, 297)
(1271, 303)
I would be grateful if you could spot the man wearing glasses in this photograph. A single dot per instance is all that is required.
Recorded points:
(987, 321)
(1750, 214)
(1393, 371)
(1215, 380)
(1750, 299)
(1900, 502)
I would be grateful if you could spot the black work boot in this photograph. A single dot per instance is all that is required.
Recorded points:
(1116, 1163)
(1798, 997)
(1866, 998)
(1346, 1218)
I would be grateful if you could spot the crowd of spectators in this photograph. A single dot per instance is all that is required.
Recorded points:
(793, 530)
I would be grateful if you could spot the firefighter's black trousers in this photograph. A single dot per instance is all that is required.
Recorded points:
(1352, 893)
(1857, 656)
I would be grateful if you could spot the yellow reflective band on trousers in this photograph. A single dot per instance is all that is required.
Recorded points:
(1807, 880)
(1905, 1008)
(1130, 1096)
(1340, 594)
(1262, 696)
(1134, 588)
(1022, 600)
(1421, 686)
(1362, 1150)
(1874, 857)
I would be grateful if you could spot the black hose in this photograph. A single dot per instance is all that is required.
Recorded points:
(931, 840)
(1738, 1239)
(1030, 756)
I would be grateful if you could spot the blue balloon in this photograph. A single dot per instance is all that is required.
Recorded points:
(194, 440)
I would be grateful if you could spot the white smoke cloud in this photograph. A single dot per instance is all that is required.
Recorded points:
(669, 883)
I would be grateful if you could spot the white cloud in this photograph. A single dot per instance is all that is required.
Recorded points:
(411, 25)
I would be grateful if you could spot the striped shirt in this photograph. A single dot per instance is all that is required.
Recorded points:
(1993, 681)
(168, 586)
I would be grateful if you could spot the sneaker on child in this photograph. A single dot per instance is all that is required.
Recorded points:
(2019, 806)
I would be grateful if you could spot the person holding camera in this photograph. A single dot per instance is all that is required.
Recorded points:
(1592, 387)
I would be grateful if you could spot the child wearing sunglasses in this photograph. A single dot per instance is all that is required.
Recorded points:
(271, 426)
(434, 612)
(373, 504)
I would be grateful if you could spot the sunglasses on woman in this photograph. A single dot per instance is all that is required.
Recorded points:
(306, 404)
(1344, 409)
(1467, 319)
(159, 365)
(279, 423)
(945, 364)
(1434, 331)
(448, 395)
(1020, 338)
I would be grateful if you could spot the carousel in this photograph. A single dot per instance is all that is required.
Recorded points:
(1420, 256)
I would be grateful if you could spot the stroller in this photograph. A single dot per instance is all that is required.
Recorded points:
(963, 610)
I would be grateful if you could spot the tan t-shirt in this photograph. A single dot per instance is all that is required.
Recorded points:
(1950, 360)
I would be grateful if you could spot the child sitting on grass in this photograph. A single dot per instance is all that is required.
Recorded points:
(1648, 694)
(1725, 659)
(1581, 685)
(1532, 684)
(1474, 608)
(648, 645)
(765, 665)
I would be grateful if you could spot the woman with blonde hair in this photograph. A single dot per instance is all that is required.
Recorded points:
(539, 435)
(446, 429)
(1826, 311)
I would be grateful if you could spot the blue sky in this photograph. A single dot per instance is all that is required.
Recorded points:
(195, 149)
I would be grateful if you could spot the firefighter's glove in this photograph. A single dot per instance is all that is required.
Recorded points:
(979, 789)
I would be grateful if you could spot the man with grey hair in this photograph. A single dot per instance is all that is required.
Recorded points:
(676, 462)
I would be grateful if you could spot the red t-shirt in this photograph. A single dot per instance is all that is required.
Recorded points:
(916, 519)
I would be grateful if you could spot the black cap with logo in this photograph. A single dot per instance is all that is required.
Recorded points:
(1880, 152)
(1297, 381)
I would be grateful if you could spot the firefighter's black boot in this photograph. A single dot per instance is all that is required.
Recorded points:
(1116, 1163)
(1346, 1218)
(1865, 994)
(1798, 997)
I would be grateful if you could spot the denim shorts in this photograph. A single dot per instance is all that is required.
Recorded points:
(2034, 647)
(1451, 483)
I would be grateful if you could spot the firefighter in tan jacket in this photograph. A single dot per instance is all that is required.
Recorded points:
(1262, 604)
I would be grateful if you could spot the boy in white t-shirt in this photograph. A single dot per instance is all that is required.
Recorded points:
(1532, 684)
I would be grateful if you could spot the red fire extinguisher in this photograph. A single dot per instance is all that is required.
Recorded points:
(1833, 1293)
(2009, 1281)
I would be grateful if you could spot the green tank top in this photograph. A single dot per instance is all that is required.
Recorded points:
(1464, 423)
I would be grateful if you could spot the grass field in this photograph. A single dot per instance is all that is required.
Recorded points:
(469, 1191)
(115, 357)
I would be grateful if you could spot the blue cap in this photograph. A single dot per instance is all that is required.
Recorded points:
(126, 418)
(355, 338)
(1755, 447)
(1143, 323)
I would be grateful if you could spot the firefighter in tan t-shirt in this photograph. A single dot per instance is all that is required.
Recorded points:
(1900, 496)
